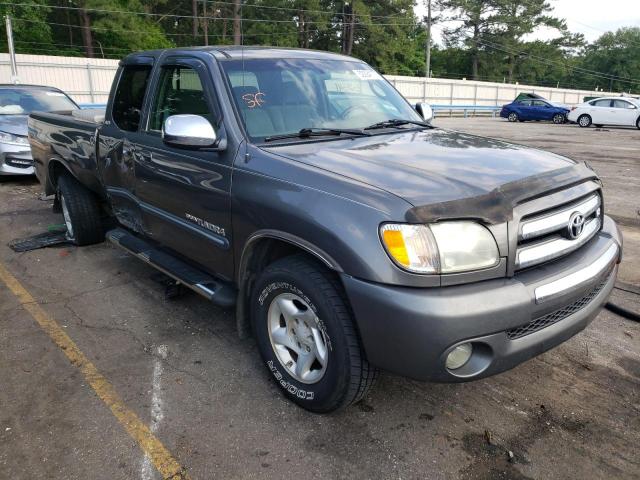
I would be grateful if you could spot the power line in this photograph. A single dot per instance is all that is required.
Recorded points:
(592, 73)
(145, 32)
(209, 17)
(324, 12)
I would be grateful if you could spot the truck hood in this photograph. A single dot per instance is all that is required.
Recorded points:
(430, 166)
(14, 124)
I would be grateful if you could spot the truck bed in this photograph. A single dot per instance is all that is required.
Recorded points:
(66, 139)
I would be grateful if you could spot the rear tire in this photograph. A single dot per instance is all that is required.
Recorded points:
(299, 311)
(81, 211)
(638, 123)
(584, 121)
(513, 117)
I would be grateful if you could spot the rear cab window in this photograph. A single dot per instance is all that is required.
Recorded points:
(129, 97)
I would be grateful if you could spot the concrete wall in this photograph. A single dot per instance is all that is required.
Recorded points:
(88, 80)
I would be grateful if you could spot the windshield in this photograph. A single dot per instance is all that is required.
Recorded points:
(282, 96)
(22, 101)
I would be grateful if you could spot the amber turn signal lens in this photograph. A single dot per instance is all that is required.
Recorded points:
(396, 247)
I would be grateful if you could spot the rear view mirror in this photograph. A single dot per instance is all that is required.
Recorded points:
(425, 111)
(188, 131)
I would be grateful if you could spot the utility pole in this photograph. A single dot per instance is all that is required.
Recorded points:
(12, 52)
(428, 60)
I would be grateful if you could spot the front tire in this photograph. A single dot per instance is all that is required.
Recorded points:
(81, 211)
(559, 118)
(307, 337)
(584, 121)
(513, 117)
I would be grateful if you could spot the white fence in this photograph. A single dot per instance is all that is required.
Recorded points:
(88, 80)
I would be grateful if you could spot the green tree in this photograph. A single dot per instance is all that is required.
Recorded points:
(477, 22)
(617, 55)
(31, 32)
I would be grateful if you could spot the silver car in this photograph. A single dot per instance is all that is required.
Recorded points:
(16, 103)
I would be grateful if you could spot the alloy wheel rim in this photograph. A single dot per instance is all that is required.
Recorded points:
(299, 343)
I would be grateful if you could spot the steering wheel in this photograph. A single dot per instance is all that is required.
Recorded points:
(348, 112)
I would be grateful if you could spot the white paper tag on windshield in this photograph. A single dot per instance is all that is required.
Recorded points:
(366, 74)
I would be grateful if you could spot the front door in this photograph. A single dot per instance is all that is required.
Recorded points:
(626, 112)
(185, 193)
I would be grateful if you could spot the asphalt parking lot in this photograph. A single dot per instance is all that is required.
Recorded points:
(203, 395)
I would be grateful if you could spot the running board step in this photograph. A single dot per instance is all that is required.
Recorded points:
(218, 292)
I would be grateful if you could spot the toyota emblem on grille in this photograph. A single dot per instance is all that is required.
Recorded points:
(576, 224)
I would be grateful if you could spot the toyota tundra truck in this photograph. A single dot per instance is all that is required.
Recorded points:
(350, 235)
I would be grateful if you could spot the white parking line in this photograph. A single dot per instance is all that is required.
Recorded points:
(157, 413)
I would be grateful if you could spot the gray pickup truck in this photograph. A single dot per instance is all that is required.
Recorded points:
(349, 234)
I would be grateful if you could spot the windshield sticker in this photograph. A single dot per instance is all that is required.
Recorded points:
(254, 100)
(366, 74)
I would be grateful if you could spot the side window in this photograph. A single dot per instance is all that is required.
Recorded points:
(127, 103)
(602, 103)
(180, 91)
(622, 104)
(524, 103)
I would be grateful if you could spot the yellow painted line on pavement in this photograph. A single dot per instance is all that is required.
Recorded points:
(161, 458)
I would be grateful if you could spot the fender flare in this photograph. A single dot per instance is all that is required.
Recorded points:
(301, 243)
(242, 315)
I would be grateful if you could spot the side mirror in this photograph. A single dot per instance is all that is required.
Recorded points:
(188, 131)
(425, 111)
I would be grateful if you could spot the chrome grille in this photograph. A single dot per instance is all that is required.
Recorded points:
(556, 316)
(545, 236)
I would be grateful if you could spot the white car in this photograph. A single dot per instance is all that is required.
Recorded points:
(607, 111)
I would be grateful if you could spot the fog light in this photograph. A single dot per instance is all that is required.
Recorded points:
(459, 356)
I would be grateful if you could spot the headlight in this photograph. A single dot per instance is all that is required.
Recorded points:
(444, 247)
(13, 139)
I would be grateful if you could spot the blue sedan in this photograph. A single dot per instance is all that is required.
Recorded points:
(528, 109)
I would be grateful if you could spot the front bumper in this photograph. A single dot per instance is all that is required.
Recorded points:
(15, 160)
(410, 331)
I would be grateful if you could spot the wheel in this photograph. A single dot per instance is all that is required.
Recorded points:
(559, 118)
(513, 117)
(638, 123)
(80, 210)
(307, 337)
(584, 120)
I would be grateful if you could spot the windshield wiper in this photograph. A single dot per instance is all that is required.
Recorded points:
(317, 132)
(396, 122)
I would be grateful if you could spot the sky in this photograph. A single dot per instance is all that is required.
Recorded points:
(589, 17)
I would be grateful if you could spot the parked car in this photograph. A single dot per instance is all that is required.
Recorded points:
(521, 110)
(607, 111)
(349, 233)
(16, 103)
